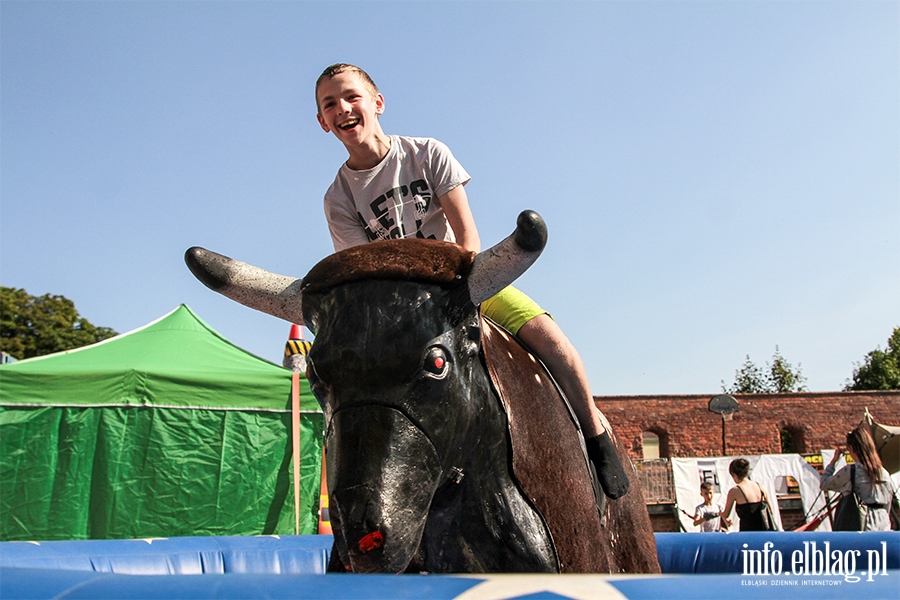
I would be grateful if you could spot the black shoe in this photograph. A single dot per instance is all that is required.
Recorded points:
(612, 476)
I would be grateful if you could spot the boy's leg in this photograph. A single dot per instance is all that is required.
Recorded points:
(520, 315)
(545, 338)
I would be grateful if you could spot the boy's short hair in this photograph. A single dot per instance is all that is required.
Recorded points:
(706, 486)
(337, 69)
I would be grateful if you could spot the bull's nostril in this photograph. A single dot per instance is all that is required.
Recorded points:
(371, 542)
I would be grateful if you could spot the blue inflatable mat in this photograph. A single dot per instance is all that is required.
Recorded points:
(304, 554)
(749, 565)
(37, 584)
(728, 552)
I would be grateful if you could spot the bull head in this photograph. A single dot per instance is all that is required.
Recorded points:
(396, 453)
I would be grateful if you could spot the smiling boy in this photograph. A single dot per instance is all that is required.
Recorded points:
(395, 186)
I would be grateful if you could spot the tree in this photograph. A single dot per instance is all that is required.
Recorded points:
(881, 368)
(782, 377)
(779, 378)
(749, 379)
(35, 326)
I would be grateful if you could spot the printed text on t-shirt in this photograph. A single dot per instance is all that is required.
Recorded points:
(388, 211)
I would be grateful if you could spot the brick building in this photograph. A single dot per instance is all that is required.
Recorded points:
(686, 428)
(656, 428)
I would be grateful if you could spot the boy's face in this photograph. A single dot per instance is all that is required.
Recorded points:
(707, 496)
(348, 108)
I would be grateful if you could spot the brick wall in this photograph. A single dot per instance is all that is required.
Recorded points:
(687, 428)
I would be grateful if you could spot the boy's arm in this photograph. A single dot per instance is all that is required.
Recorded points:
(456, 208)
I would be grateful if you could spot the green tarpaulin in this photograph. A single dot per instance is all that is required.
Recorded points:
(169, 430)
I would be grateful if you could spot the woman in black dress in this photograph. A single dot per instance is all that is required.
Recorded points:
(746, 497)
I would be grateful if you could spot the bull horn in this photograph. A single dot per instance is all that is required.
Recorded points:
(276, 295)
(500, 265)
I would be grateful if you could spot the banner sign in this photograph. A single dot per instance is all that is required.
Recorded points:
(771, 471)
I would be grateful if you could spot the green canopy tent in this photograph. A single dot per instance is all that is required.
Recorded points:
(168, 430)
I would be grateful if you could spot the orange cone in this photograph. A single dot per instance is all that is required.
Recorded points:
(295, 350)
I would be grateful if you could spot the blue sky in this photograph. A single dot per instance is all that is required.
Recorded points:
(718, 178)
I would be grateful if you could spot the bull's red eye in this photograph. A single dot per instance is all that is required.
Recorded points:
(435, 363)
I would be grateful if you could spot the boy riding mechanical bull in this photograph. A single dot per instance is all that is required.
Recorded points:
(401, 187)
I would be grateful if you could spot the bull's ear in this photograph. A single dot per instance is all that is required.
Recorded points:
(500, 265)
(257, 288)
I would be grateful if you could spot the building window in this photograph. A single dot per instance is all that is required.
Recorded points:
(792, 441)
(650, 443)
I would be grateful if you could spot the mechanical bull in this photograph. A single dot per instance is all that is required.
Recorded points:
(449, 447)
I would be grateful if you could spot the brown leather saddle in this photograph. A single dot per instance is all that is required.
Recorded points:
(549, 459)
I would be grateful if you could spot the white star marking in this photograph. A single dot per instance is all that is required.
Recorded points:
(508, 586)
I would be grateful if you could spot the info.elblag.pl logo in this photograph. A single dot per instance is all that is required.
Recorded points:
(813, 561)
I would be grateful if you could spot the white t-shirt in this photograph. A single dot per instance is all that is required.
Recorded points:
(398, 198)
(713, 523)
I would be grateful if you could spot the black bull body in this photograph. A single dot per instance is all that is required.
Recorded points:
(437, 462)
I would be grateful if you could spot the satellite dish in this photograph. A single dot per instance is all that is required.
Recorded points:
(723, 404)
